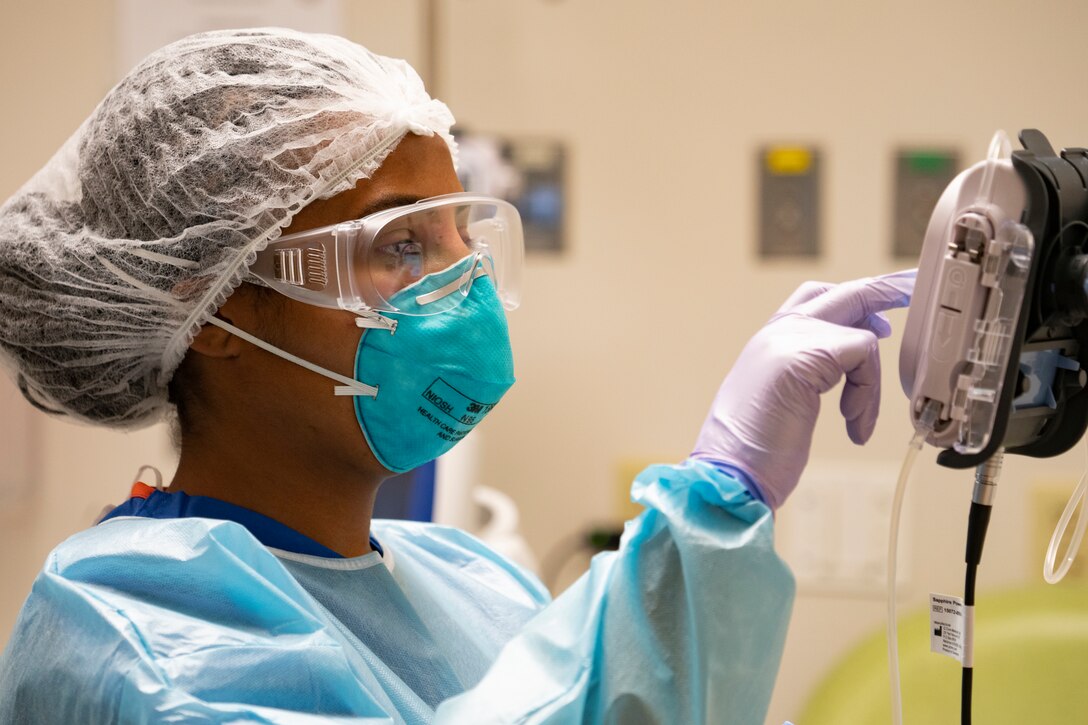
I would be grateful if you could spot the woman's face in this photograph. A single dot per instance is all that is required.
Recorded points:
(323, 424)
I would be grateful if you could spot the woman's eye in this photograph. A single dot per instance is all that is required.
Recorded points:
(400, 255)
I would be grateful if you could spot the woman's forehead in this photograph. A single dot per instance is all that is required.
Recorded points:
(418, 168)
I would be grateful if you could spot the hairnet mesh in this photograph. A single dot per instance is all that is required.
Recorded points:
(137, 230)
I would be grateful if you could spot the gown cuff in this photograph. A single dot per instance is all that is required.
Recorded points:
(740, 475)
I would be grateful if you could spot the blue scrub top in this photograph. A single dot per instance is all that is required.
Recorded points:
(152, 503)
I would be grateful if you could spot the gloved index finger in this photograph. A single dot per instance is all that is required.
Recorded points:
(852, 302)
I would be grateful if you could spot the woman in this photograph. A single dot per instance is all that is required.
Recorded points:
(263, 231)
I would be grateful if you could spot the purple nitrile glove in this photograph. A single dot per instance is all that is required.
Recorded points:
(762, 419)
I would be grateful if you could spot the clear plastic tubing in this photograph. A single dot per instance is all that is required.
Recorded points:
(1080, 496)
(925, 426)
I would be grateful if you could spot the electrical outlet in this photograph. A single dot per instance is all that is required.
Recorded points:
(833, 530)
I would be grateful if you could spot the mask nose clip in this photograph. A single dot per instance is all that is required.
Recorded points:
(481, 265)
(471, 274)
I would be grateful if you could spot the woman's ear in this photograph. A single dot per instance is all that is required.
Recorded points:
(215, 342)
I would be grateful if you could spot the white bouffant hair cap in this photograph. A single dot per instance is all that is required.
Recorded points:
(148, 218)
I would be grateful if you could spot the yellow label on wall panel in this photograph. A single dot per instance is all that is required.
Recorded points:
(788, 160)
(626, 469)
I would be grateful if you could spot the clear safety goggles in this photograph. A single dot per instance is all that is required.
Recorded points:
(369, 264)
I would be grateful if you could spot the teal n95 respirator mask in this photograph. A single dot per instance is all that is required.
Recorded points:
(430, 283)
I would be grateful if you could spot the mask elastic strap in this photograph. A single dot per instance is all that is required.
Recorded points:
(349, 386)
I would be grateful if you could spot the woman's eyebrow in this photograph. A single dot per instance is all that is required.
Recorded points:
(386, 201)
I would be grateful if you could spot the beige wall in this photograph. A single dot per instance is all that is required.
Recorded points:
(622, 341)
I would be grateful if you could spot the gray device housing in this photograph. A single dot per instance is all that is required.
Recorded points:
(950, 300)
(1041, 409)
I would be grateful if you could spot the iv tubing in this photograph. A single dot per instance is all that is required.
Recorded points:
(893, 546)
(1079, 496)
(925, 425)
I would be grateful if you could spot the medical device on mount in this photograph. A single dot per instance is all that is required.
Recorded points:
(996, 342)
(996, 335)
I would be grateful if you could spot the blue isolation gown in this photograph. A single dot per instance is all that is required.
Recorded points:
(239, 619)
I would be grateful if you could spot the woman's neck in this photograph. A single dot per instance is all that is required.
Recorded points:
(329, 503)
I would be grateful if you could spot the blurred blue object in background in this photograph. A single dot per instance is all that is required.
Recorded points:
(408, 496)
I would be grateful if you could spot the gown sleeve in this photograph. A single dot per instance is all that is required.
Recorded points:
(685, 623)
